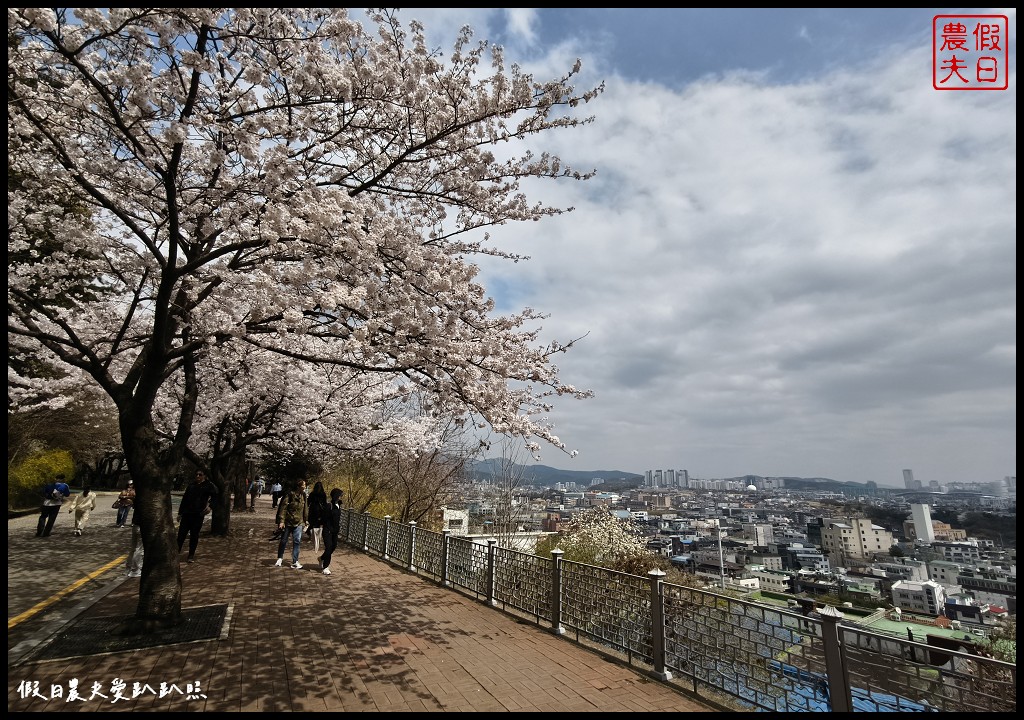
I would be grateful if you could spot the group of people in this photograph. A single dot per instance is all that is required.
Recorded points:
(296, 515)
(54, 495)
(81, 505)
(322, 517)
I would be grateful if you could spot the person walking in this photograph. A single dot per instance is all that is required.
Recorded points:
(124, 503)
(53, 497)
(275, 493)
(332, 526)
(195, 503)
(254, 491)
(81, 506)
(318, 509)
(292, 515)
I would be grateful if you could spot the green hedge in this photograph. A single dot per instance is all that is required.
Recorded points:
(25, 479)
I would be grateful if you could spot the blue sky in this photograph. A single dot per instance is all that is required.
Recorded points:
(796, 258)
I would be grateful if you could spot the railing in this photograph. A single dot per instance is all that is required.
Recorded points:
(732, 651)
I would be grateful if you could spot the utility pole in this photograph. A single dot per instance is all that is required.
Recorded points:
(721, 557)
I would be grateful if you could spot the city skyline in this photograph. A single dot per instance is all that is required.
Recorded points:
(797, 258)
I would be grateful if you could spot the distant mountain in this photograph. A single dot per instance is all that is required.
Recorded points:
(546, 476)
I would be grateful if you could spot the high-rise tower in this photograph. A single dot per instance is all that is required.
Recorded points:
(922, 517)
(908, 479)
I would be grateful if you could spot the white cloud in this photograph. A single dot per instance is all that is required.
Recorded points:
(521, 22)
(803, 279)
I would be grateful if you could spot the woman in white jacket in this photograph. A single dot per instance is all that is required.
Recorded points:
(81, 506)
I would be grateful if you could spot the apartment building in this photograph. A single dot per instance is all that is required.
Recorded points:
(853, 538)
(944, 571)
(966, 552)
(990, 586)
(760, 533)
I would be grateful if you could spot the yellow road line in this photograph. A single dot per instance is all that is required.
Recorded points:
(66, 591)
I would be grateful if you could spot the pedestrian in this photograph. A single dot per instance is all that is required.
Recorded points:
(318, 509)
(53, 497)
(260, 485)
(275, 493)
(292, 515)
(137, 551)
(124, 503)
(332, 526)
(253, 492)
(195, 504)
(81, 506)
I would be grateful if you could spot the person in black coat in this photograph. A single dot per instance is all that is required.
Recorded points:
(195, 503)
(318, 507)
(332, 525)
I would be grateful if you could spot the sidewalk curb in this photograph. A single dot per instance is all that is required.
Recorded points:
(20, 653)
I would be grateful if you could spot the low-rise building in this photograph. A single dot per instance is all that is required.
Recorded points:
(966, 552)
(901, 569)
(943, 571)
(922, 597)
(773, 580)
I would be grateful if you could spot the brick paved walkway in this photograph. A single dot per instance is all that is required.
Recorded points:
(368, 638)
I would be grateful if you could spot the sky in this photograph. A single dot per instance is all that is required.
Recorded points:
(797, 258)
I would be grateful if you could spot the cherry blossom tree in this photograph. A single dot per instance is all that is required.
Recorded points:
(597, 537)
(278, 178)
(253, 404)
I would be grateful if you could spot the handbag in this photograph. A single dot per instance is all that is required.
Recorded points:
(117, 504)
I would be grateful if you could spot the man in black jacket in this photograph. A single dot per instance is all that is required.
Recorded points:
(195, 503)
(332, 524)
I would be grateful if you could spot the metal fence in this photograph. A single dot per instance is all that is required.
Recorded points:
(708, 644)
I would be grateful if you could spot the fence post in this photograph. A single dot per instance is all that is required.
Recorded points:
(491, 543)
(387, 526)
(445, 534)
(366, 528)
(412, 545)
(839, 696)
(658, 625)
(556, 592)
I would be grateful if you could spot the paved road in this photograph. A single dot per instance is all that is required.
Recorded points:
(50, 576)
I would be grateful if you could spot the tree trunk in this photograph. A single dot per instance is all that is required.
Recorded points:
(240, 483)
(160, 588)
(230, 479)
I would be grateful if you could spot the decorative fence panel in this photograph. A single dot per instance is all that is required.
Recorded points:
(523, 582)
(761, 658)
(608, 607)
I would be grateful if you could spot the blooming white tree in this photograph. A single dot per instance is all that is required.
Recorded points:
(252, 403)
(597, 537)
(281, 178)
